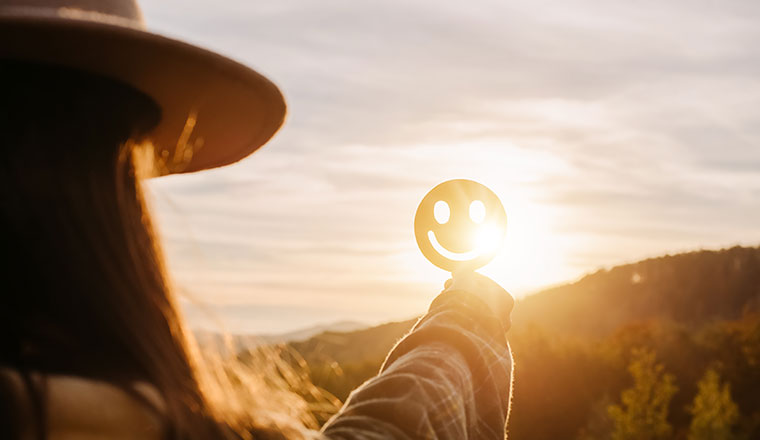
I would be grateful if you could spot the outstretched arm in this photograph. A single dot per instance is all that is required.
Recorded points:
(449, 378)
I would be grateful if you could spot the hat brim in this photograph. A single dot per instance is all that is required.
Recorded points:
(215, 111)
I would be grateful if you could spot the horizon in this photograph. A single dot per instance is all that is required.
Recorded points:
(604, 151)
(213, 325)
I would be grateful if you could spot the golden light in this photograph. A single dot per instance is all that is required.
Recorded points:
(488, 238)
(536, 252)
(533, 255)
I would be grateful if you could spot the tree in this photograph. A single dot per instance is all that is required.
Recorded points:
(599, 424)
(644, 411)
(714, 413)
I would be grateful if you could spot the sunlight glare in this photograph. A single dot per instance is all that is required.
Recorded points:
(477, 211)
(488, 238)
(535, 253)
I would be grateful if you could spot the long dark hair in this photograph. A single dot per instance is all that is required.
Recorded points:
(83, 285)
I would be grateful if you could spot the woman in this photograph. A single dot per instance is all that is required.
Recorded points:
(91, 341)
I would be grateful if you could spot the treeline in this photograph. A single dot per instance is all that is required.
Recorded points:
(667, 348)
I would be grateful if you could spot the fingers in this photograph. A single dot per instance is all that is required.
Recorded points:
(495, 296)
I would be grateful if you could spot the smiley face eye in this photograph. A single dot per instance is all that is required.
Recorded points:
(441, 212)
(477, 211)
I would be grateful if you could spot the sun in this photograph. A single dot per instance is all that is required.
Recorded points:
(532, 255)
(537, 250)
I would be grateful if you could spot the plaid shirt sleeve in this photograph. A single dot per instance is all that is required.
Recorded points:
(449, 378)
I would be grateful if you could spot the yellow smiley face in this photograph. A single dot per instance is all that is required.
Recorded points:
(460, 224)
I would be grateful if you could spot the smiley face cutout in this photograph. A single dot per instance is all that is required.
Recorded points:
(460, 224)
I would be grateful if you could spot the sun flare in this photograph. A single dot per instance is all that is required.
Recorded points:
(532, 255)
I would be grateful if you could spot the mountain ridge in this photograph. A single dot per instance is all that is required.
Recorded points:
(565, 308)
(243, 342)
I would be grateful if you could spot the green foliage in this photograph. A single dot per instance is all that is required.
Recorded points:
(599, 426)
(714, 413)
(339, 362)
(339, 379)
(644, 411)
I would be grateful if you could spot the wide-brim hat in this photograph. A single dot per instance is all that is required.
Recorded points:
(214, 111)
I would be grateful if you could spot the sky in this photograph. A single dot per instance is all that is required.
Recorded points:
(612, 131)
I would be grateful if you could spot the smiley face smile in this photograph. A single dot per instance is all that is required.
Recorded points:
(456, 256)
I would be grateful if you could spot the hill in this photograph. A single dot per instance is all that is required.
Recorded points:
(572, 343)
(371, 343)
(242, 342)
(691, 289)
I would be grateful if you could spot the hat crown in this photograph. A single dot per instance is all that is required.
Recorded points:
(122, 9)
(214, 111)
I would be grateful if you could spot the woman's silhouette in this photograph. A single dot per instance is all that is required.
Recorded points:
(91, 341)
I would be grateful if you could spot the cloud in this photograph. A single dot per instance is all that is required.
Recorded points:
(612, 131)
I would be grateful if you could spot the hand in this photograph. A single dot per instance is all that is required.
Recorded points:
(497, 299)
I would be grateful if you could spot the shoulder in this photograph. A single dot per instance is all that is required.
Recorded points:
(77, 407)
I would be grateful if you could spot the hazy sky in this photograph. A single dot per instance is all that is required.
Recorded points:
(612, 131)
